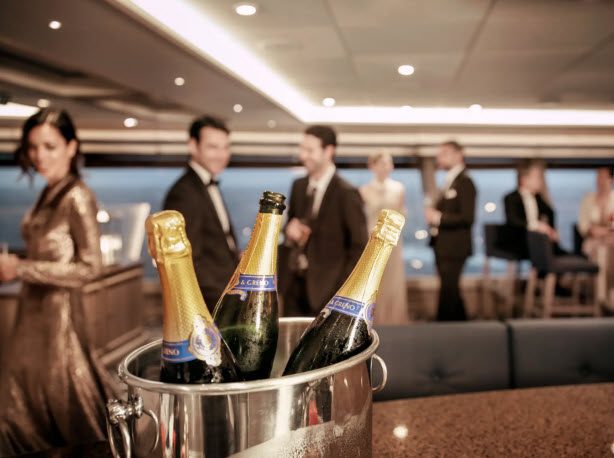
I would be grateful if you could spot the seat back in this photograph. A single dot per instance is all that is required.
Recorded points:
(505, 241)
(562, 351)
(540, 251)
(441, 358)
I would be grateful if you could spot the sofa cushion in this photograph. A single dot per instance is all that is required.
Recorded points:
(438, 358)
(562, 351)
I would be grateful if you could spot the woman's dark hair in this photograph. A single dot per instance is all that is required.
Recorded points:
(59, 119)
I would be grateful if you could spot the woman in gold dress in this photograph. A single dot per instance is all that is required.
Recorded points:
(50, 392)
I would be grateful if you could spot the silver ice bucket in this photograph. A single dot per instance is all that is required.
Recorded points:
(320, 413)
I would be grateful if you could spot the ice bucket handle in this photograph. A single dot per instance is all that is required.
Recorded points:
(382, 365)
(118, 414)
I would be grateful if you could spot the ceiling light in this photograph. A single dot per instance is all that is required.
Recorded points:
(416, 264)
(130, 122)
(55, 25)
(328, 102)
(237, 108)
(407, 108)
(245, 9)
(179, 81)
(271, 123)
(16, 110)
(475, 107)
(406, 70)
(490, 207)
(43, 103)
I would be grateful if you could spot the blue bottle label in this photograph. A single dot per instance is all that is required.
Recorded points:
(352, 308)
(256, 283)
(204, 343)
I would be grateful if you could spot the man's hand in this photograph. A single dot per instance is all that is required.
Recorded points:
(432, 216)
(297, 232)
(8, 267)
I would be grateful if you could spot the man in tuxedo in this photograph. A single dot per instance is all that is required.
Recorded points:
(197, 196)
(326, 230)
(526, 208)
(450, 224)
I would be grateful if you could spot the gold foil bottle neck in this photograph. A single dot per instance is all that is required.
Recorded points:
(388, 227)
(184, 306)
(260, 256)
(363, 283)
(166, 236)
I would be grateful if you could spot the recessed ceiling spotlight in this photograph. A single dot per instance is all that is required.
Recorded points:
(407, 108)
(329, 102)
(43, 103)
(237, 108)
(271, 123)
(55, 25)
(179, 81)
(245, 9)
(130, 122)
(406, 70)
(475, 107)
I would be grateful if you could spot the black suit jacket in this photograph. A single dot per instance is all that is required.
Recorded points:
(338, 237)
(515, 214)
(457, 207)
(214, 260)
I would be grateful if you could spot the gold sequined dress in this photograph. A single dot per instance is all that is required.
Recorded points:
(51, 393)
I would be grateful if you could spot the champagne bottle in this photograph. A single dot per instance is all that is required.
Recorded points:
(193, 350)
(343, 327)
(247, 313)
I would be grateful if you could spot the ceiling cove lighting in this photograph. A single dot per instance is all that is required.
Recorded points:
(406, 70)
(245, 9)
(130, 122)
(184, 21)
(55, 25)
(16, 110)
(187, 23)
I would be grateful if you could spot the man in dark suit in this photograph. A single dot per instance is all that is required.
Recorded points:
(326, 230)
(450, 222)
(526, 208)
(197, 196)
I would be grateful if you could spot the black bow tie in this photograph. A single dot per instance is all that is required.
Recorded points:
(213, 182)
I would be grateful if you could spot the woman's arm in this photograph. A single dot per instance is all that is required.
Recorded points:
(85, 233)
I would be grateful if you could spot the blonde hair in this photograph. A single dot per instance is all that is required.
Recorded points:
(377, 155)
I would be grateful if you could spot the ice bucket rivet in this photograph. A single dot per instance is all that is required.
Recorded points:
(325, 412)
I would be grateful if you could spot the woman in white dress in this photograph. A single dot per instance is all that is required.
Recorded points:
(383, 192)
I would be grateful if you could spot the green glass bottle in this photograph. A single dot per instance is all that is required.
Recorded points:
(343, 327)
(193, 350)
(247, 313)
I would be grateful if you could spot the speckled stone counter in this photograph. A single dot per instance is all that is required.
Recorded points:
(569, 421)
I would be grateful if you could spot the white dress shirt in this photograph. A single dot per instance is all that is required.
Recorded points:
(216, 198)
(320, 186)
(530, 209)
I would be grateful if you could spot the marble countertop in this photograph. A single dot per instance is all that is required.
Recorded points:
(565, 421)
